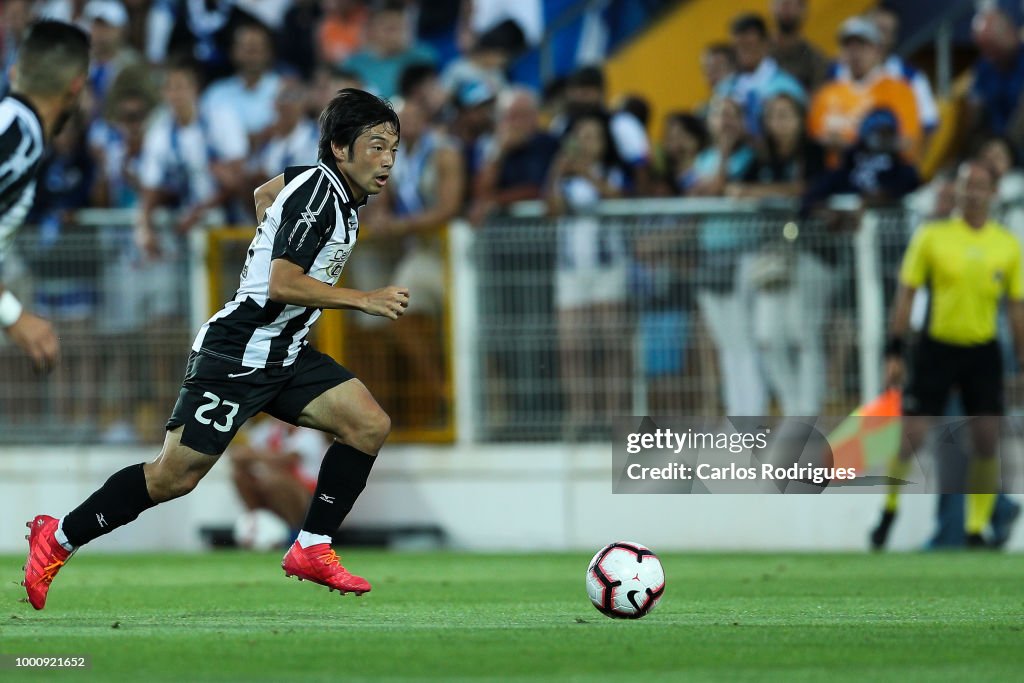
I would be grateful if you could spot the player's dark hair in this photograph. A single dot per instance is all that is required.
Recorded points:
(415, 75)
(745, 23)
(351, 113)
(52, 54)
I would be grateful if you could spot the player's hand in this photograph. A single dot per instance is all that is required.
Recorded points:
(389, 302)
(35, 336)
(894, 371)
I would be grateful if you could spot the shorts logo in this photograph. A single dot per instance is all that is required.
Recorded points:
(101, 520)
(241, 374)
(325, 498)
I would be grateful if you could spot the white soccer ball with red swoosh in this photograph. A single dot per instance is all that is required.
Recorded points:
(625, 580)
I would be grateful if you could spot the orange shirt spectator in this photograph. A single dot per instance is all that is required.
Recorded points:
(839, 107)
(341, 30)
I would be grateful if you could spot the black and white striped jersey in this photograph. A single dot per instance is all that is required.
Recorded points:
(21, 151)
(313, 223)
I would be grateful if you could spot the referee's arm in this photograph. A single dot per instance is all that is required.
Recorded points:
(1015, 307)
(913, 274)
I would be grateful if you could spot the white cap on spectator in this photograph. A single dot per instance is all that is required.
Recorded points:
(859, 27)
(109, 12)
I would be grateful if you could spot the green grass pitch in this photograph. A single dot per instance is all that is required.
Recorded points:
(456, 617)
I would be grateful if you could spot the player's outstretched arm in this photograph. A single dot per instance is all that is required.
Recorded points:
(32, 334)
(266, 193)
(289, 284)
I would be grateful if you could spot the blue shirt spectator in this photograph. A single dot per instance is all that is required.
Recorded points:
(757, 74)
(388, 51)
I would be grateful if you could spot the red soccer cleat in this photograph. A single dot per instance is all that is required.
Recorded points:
(320, 564)
(45, 558)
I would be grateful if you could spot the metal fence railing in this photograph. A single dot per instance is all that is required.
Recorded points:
(123, 325)
(659, 307)
(677, 308)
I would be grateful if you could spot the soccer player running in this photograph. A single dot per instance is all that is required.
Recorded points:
(253, 356)
(969, 263)
(46, 84)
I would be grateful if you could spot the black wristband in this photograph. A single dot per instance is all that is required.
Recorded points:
(894, 347)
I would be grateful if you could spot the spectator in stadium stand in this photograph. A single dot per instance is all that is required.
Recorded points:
(585, 90)
(590, 280)
(64, 259)
(133, 322)
(888, 24)
(757, 71)
(389, 48)
(340, 30)
(107, 20)
(874, 168)
(17, 14)
(473, 126)
(424, 193)
(684, 137)
(294, 136)
(274, 467)
(998, 75)
(791, 50)
(192, 157)
(251, 91)
(116, 140)
(793, 287)
(726, 250)
(487, 60)
(202, 30)
(479, 16)
(136, 30)
(717, 64)
(519, 159)
(296, 42)
(998, 153)
(839, 107)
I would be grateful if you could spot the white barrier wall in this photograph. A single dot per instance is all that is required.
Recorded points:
(529, 497)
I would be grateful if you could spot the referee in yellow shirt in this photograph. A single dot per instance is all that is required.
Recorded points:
(968, 263)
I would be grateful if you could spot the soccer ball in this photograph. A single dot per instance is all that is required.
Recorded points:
(625, 580)
(261, 530)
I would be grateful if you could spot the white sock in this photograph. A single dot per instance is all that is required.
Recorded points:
(307, 539)
(61, 538)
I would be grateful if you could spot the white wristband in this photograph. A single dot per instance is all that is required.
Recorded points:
(10, 309)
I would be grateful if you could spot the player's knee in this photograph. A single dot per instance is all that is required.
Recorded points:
(374, 427)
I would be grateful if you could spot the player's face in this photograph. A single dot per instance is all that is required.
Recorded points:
(368, 167)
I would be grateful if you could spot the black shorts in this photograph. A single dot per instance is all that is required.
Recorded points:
(218, 395)
(937, 368)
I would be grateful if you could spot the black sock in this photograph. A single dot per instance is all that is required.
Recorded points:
(120, 500)
(343, 475)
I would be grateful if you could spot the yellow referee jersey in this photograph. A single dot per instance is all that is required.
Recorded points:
(967, 271)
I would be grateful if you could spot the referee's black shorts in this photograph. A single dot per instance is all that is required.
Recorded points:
(218, 395)
(937, 368)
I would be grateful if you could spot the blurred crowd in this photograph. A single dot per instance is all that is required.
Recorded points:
(193, 103)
